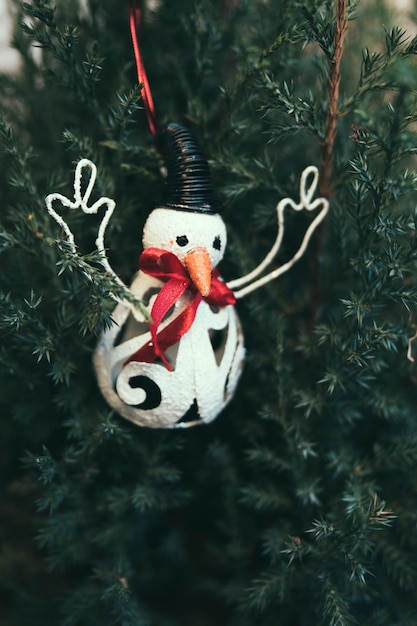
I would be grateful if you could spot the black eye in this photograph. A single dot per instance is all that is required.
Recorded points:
(217, 244)
(182, 240)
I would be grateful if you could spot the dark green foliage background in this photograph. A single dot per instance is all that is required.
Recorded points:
(297, 506)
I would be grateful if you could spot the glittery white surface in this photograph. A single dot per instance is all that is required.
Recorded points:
(201, 374)
(207, 360)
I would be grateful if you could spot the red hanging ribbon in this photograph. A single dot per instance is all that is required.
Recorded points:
(167, 267)
(135, 16)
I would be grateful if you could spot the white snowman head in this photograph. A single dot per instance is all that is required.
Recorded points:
(187, 222)
(198, 240)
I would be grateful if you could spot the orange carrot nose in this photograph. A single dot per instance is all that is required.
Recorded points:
(198, 264)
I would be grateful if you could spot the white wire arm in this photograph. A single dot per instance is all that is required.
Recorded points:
(410, 342)
(306, 195)
(81, 202)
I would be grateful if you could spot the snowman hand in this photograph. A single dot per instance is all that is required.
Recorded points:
(410, 341)
(84, 168)
(306, 202)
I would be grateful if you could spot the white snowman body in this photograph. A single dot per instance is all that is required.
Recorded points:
(206, 361)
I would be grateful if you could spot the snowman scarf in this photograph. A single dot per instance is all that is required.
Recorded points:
(168, 268)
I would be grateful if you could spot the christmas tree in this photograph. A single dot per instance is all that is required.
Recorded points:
(297, 506)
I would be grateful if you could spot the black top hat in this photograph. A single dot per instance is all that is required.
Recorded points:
(188, 185)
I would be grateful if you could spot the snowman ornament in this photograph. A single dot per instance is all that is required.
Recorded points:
(180, 365)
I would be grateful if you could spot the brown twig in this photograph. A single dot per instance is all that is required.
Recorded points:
(327, 149)
(228, 7)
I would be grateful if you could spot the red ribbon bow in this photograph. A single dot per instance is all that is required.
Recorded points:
(167, 267)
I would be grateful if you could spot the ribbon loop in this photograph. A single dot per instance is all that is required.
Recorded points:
(166, 266)
(135, 16)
